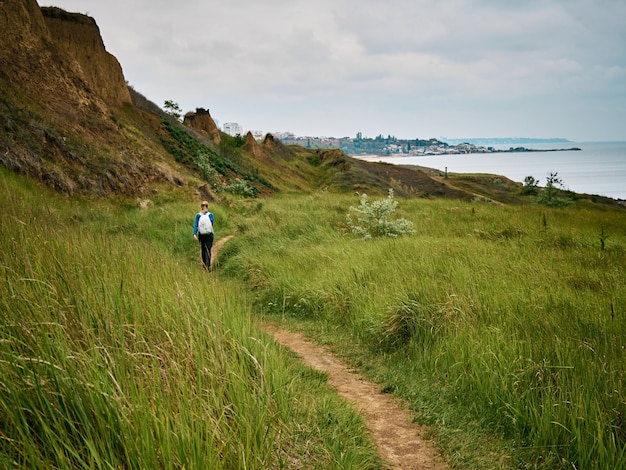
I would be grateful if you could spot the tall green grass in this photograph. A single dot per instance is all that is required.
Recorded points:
(118, 351)
(505, 327)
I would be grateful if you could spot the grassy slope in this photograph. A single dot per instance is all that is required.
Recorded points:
(117, 351)
(502, 325)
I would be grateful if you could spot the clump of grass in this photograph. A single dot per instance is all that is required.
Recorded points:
(415, 321)
(239, 187)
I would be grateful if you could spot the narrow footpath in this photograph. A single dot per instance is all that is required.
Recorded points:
(399, 440)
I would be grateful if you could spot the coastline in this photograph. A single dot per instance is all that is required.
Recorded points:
(599, 169)
(464, 149)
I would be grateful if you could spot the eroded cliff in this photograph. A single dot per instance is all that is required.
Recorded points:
(66, 116)
(79, 36)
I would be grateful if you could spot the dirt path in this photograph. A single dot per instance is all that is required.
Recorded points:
(399, 441)
(217, 246)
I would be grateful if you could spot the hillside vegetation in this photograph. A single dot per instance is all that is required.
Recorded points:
(501, 325)
(499, 319)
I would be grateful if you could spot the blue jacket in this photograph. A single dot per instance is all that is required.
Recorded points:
(195, 223)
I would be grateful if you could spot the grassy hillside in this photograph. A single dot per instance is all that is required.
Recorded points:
(118, 351)
(502, 325)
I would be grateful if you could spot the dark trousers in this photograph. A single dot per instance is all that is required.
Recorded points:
(206, 243)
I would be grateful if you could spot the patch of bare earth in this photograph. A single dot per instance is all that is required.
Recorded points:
(399, 440)
(217, 246)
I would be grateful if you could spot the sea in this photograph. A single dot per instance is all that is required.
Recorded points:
(599, 168)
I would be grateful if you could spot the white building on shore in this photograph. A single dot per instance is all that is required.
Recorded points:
(232, 128)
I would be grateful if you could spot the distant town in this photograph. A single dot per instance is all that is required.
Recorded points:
(392, 146)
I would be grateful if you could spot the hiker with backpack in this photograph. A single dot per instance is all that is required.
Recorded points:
(203, 232)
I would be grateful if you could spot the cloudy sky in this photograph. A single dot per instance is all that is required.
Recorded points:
(409, 68)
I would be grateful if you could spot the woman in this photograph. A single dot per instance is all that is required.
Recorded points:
(203, 232)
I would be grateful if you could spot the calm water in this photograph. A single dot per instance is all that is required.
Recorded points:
(599, 168)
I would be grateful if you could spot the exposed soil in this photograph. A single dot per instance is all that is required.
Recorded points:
(218, 245)
(399, 440)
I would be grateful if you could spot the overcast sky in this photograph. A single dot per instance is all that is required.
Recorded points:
(409, 68)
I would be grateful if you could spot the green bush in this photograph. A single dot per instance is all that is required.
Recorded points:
(239, 187)
(530, 186)
(548, 197)
(209, 173)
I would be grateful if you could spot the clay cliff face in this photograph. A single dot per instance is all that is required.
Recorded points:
(80, 37)
(33, 63)
(23, 28)
(49, 50)
(60, 98)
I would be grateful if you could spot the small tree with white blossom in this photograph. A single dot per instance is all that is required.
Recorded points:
(370, 220)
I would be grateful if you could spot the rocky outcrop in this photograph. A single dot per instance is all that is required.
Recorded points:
(48, 50)
(275, 147)
(60, 93)
(253, 147)
(202, 122)
(79, 36)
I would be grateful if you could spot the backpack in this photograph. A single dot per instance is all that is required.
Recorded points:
(204, 224)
